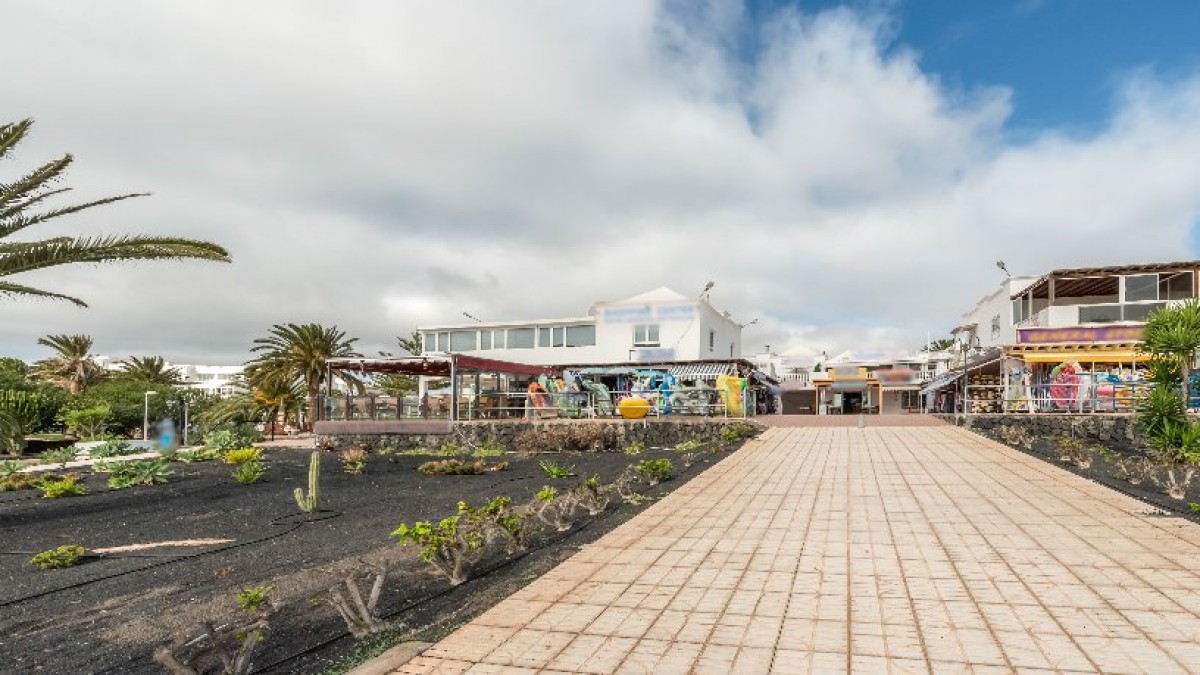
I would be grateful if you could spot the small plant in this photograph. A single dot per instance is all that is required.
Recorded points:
(450, 449)
(1105, 453)
(198, 455)
(145, 472)
(386, 451)
(360, 616)
(242, 455)
(308, 502)
(66, 486)
(453, 467)
(635, 448)
(689, 445)
(688, 459)
(490, 448)
(249, 472)
(1073, 450)
(557, 469)
(113, 449)
(9, 467)
(20, 481)
(354, 461)
(1194, 507)
(1136, 469)
(554, 508)
(1176, 478)
(443, 545)
(593, 496)
(59, 456)
(67, 555)
(654, 471)
(737, 432)
(250, 600)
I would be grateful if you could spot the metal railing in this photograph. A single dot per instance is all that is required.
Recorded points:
(1057, 398)
(700, 402)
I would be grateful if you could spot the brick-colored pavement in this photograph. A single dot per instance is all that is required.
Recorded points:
(866, 550)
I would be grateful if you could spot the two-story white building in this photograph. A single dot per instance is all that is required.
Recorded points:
(654, 327)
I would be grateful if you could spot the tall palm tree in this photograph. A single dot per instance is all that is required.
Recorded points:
(72, 366)
(295, 354)
(151, 369)
(1172, 334)
(17, 202)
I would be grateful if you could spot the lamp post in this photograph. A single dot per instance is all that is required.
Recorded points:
(146, 415)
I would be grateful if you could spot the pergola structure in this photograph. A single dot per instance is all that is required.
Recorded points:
(449, 366)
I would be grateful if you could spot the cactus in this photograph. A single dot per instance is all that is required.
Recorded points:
(308, 503)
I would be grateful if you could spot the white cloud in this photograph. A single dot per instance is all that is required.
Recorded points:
(377, 165)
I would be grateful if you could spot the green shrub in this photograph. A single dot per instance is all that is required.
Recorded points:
(224, 440)
(738, 431)
(242, 455)
(252, 599)
(9, 466)
(654, 471)
(113, 449)
(354, 461)
(636, 448)
(689, 445)
(57, 558)
(557, 469)
(20, 481)
(249, 472)
(490, 448)
(453, 544)
(450, 449)
(144, 472)
(59, 456)
(198, 455)
(66, 486)
(453, 467)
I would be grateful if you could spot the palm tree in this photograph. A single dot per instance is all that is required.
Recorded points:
(1172, 334)
(72, 367)
(150, 369)
(17, 201)
(295, 354)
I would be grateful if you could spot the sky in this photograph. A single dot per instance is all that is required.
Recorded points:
(846, 174)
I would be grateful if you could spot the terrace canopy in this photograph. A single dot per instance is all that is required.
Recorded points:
(449, 366)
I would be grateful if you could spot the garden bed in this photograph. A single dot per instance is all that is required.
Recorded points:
(109, 613)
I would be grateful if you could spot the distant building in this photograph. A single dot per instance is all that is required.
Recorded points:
(654, 327)
(217, 380)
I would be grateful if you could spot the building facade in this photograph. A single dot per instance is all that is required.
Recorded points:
(657, 326)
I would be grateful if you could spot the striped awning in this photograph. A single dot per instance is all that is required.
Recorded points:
(701, 371)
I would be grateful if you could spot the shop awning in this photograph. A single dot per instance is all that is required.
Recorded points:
(701, 371)
(852, 385)
(1094, 356)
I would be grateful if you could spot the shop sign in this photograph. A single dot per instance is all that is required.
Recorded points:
(1033, 336)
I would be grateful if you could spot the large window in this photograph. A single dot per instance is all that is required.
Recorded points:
(462, 341)
(1100, 314)
(550, 337)
(1141, 311)
(645, 335)
(520, 338)
(581, 336)
(1176, 286)
(1141, 287)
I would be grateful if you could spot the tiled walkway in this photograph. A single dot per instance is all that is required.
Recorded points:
(866, 550)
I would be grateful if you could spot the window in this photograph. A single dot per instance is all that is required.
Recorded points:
(462, 341)
(520, 338)
(1177, 286)
(437, 342)
(1141, 311)
(1100, 314)
(485, 339)
(429, 344)
(1018, 310)
(1141, 287)
(996, 326)
(712, 340)
(550, 337)
(645, 335)
(581, 336)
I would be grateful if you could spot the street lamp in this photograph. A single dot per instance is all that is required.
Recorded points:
(146, 414)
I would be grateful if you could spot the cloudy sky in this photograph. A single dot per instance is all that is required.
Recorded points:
(847, 175)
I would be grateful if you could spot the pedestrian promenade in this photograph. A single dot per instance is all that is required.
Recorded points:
(890, 549)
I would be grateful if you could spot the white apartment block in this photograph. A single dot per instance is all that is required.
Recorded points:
(653, 327)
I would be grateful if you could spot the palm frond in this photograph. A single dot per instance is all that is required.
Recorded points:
(11, 134)
(53, 252)
(29, 186)
(11, 289)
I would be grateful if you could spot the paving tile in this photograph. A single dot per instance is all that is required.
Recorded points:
(886, 549)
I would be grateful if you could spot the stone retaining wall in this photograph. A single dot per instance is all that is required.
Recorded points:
(608, 435)
(1114, 431)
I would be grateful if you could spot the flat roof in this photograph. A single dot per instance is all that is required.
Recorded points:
(1040, 288)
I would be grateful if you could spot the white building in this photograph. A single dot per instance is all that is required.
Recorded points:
(653, 327)
(218, 380)
(992, 322)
